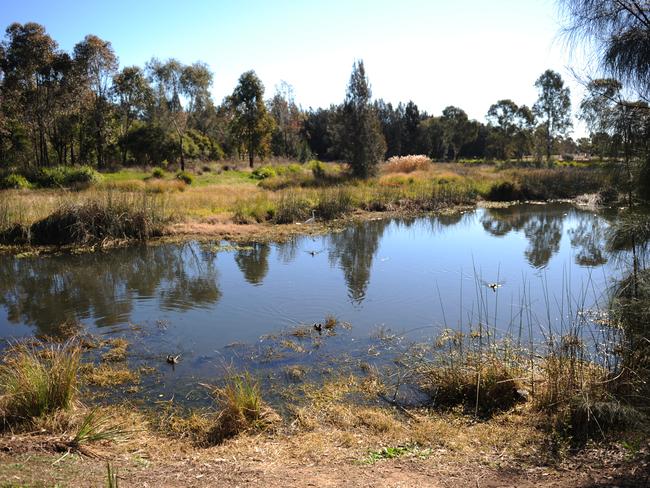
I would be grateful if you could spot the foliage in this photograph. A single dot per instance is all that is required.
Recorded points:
(264, 172)
(14, 181)
(553, 107)
(357, 130)
(185, 177)
(251, 124)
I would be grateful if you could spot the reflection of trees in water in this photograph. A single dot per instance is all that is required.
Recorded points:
(543, 229)
(288, 250)
(47, 291)
(354, 249)
(544, 233)
(588, 238)
(253, 262)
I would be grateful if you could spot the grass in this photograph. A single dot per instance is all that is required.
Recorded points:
(37, 379)
(131, 204)
(104, 376)
(241, 408)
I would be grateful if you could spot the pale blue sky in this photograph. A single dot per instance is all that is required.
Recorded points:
(468, 53)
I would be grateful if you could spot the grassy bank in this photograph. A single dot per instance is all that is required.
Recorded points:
(221, 199)
(487, 410)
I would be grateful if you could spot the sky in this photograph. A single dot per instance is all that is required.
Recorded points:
(467, 53)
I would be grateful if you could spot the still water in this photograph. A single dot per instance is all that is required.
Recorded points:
(412, 277)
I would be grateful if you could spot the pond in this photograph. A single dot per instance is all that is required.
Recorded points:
(521, 271)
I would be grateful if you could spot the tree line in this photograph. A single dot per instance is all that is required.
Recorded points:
(60, 108)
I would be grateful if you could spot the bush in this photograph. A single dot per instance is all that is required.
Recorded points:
(64, 176)
(264, 172)
(37, 379)
(505, 191)
(158, 173)
(14, 181)
(185, 177)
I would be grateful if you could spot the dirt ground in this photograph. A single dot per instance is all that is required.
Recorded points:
(309, 459)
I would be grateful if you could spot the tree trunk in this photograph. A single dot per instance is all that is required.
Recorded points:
(251, 155)
(182, 155)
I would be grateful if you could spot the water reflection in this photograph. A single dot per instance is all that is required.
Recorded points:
(253, 262)
(543, 230)
(354, 249)
(588, 238)
(138, 283)
(47, 291)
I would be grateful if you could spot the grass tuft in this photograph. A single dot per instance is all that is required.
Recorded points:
(36, 379)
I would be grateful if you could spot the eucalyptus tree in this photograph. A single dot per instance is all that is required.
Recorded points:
(27, 55)
(458, 130)
(288, 121)
(97, 64)
(251, 125)
(133, 94)
(553, 108)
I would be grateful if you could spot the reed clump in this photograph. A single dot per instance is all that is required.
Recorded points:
(38, 379)
(241, 408)
(111, 218)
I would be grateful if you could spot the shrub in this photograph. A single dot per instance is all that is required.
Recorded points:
(185, 177)
(264, 172)
(64, 176)
(504, 191)
(407, 164)
(37, 379)
(158, 173)
(14, 181)
(259, 209)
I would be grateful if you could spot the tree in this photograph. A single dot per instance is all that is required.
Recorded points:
(357, 130)
(288, 119)
(251, 125)
(97, 64)
(457, 130)
(619, 32)
(411, 125)
(28, 54)
(133, 93)
(553, 107)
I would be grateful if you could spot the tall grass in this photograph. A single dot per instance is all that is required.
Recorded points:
(241, 408)
(36, 379)
(407, 164)
(110, 216)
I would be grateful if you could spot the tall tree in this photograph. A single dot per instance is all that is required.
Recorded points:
(251, 125)
(553, 107)
(97, 63)
(133, 93)
(357, 130)
(28, 55)
(288, 121)
(458, 130)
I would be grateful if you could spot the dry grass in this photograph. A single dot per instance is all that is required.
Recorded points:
(104, 375)
(117, 350)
